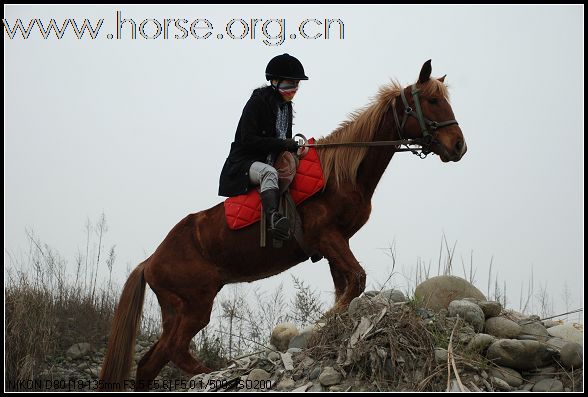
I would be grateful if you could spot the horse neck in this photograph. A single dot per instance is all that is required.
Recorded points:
(377, 158)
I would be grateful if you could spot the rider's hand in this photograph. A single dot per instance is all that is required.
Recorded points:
(290, 145)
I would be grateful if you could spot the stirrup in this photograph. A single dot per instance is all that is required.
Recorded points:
(280, 227)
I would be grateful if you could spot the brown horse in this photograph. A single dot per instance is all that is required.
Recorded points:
(201, 254)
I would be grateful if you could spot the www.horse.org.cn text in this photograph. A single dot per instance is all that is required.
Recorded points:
(269, 31)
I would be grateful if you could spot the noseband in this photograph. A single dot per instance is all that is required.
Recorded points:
(428, 127)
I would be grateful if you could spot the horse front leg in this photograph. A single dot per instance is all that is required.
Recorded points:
(348, 276)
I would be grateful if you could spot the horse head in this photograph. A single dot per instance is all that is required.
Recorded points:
(427, 117)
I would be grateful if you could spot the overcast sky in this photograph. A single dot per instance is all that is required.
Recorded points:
(139, 129)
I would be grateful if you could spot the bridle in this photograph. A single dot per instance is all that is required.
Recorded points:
(427, 139)
(428, 128)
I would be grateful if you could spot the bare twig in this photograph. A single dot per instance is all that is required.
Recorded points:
(247, 339)
(557, 315)
(452, 359)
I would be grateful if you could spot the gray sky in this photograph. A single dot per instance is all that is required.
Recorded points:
(139, 129)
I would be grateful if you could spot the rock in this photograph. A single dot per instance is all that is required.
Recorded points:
(500, 384)
(371, 294)
(527, 337)
(336, 388)
(273, 356)
(490, 308)
(553, 385)
(298, 374)
(466, 334)
(548, 370)
(316, 387)
(306, 362)
(94, 372)
(480, 343)
(509, 375)
(301, 340)
(361, 305)
(468, 311)
(556, 343)
(316, 371)
(527, 387)
(287, 361)
(78, 350)
(282, 334)
(502, 327)
(454, 388)
(391, 296)
(572, 355)
(258, 377)
(424, 313)
(329, 377)
(294, 350)
(440, 355)
(285, 384)
(535, 329)
(567, 332)
(519, 354)
(302, 388)
(550, 323)
(437, 292)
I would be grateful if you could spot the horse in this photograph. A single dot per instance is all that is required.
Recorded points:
(201, 254)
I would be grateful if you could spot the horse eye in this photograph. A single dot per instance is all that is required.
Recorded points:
(433, 101)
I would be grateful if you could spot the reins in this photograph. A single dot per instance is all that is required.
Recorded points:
(424, 142)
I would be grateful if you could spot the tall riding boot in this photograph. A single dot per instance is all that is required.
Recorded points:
(279, 224)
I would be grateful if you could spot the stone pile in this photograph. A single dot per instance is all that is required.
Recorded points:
(492, 349)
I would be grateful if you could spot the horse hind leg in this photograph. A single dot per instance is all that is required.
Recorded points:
(158, 356)
(190, 322)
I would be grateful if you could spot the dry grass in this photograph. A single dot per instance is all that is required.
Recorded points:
(44, 318)
(395, 354)
(48, 308)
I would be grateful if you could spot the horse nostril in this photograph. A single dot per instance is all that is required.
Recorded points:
(458, 146)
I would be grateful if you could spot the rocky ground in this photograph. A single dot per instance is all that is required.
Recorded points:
(448, 337)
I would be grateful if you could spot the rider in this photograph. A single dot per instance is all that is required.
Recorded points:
(264, 130)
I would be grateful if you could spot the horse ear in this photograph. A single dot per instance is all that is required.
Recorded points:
(425, 74)
(442, 79)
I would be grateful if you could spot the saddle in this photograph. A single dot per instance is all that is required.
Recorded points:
(299, 179)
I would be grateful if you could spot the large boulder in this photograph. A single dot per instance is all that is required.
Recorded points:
(436, 293)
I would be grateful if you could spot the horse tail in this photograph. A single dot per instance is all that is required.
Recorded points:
(121, 345)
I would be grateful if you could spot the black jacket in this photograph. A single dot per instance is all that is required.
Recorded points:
(256, 137)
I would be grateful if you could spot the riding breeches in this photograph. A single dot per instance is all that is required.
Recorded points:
(263, 175)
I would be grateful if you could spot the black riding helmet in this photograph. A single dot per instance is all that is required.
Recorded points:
(284, 67)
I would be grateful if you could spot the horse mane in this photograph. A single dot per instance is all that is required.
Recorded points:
(342, 163)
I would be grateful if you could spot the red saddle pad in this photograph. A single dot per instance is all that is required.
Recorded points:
(245, 210)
